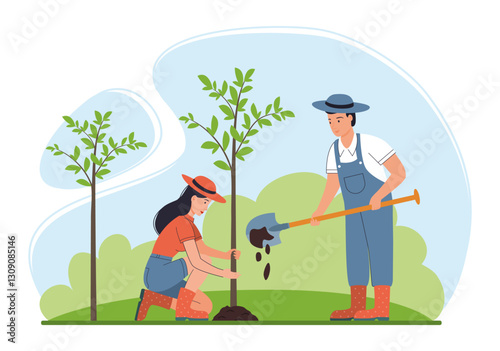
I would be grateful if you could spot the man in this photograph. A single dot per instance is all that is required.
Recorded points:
(356, 164)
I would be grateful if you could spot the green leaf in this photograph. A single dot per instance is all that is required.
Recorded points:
(105, 150)
(85, 125)
(252, 132)
(225, 141)
(255, 113)
(287, 114)
(268, 108)
(249, 74)
(110, 158)
(206, 81)
(86, 164)
(49, 148)
(239, 76)
(277, 104)
(58, 153)
(102, 173)
(112, 143)
(276, 117)
(242, 104)
(104, 126)
(56, 146)
(69, 120)
(93, 130)
(193, 125)
(95, 159)
(266, 122)
(244, 151)
(235, 134)
(131, 138)
(213, 94)
(124, 140)
(247, 89)
(76, 153)
(140, 144)
(131, 147)
(83, 182)
(76, 130)
(222, 165)
(121, 151)
(247, 121)
(73, 168)
(215, 125)
(101, 137)
(98, 117)
(183, 118)
(224, 88)
(214, 86)
(106, 115)
(226, 110)
(234, 95)
(210, 145)
(191, 116)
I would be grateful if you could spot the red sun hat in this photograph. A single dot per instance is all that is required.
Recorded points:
(204, 186)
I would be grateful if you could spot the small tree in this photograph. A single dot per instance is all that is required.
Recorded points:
(99, 160)
(233, 105)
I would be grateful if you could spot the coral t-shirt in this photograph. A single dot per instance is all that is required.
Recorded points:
(170, 241)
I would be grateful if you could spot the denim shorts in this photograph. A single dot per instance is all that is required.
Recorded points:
(164, 276)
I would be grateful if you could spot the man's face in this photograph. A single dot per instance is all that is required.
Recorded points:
(340, 124)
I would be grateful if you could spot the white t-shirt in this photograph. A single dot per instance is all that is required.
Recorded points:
(374, 151)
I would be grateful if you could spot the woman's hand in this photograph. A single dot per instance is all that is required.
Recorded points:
(233, 253)
(227, 273)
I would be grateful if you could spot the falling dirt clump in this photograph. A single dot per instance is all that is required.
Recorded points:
(257, 236)
(234, 313)
(267, 270)
(268, 249)
(258, 256)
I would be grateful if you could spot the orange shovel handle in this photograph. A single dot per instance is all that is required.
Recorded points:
(400, 200)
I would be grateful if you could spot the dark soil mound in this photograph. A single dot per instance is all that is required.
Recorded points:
(235, 313)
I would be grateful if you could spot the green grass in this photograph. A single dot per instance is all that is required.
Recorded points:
(270, 307)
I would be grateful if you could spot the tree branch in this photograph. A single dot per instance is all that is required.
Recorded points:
(88, 136)
(227, 102)
(79, 165)
(215, 139)
(251, 127)
(109, 154)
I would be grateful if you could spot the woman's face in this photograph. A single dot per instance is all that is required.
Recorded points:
(199, 204)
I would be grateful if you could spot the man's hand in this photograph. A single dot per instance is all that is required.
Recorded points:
(233, 253)
(314, 215)
(375, 202)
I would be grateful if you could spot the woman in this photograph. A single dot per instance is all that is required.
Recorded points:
(163, 277)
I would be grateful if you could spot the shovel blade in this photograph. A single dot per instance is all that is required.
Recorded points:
(267, 220)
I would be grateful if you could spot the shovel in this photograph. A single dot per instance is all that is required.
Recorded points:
(265, 228)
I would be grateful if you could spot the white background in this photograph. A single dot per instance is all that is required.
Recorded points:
(85, 47)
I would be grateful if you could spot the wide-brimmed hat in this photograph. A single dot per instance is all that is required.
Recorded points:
(340, 103)
(204, 186)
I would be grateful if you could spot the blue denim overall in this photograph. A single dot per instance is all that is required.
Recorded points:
(369, 235)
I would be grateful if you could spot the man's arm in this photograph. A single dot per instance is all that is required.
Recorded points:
(398, 174)
(331, 189)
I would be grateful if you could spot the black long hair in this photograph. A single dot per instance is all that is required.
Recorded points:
(172, 210)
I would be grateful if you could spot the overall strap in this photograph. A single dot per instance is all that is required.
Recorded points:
(359, 156)
(336, 152)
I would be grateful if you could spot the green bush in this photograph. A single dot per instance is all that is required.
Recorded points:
(309, 258)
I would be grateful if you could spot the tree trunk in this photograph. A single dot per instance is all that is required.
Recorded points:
(93, 270)
(233, 288)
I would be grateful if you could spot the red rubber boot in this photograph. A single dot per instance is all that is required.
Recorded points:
(149, 298)
(358, 303)
(382, 305)
(183, 311)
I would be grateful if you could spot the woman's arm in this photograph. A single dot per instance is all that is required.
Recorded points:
(207, 250)
(197, 262)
